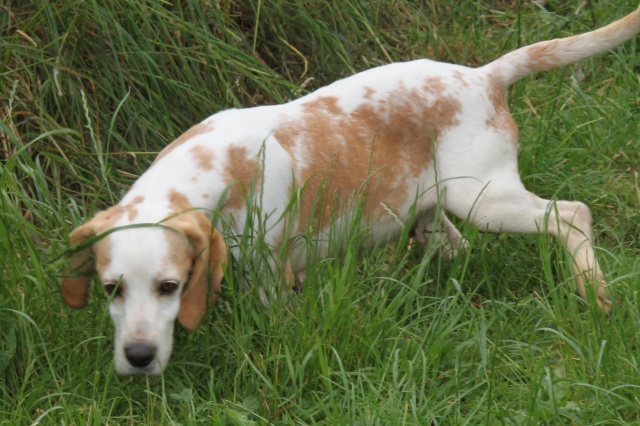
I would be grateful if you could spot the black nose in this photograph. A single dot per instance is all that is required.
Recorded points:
(140, 354)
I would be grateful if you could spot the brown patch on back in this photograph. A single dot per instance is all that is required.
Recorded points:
(368, 92)
(460, 78)
(328, 103)
(434, 86)
(196, 130)
(501, 120)
(203, 156)
(239, 172)
(368, 152)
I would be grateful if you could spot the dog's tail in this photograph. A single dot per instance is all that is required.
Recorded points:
(556, 53)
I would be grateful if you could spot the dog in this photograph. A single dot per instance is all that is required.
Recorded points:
(408, 141)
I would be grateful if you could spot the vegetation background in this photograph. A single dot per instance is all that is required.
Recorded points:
(90, 91)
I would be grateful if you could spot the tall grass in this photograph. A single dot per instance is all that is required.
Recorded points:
(91, 91)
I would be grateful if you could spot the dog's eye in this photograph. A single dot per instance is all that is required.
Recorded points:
(112, 289)
(167, 288)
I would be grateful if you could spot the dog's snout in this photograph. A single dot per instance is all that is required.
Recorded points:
(140, 354)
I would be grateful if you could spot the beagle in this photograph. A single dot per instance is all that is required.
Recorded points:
(406, 142)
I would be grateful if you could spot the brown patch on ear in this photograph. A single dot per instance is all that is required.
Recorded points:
(203, 289)
(75, 283)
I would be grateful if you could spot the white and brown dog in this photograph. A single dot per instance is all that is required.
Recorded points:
(410, 140)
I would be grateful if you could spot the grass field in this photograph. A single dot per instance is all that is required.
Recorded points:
(91, 91)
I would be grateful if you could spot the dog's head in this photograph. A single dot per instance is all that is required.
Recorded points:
(152, 274)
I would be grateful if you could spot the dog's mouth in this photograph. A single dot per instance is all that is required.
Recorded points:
(153, 369)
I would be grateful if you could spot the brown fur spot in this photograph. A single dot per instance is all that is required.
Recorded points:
(239, 172)
(543, 56)
(434, 86)
(328, 103)
(109, 217)
(369, 92)
(366, 154)
(178, 202)
(502, 121)
(103, 222)
(102, 252)
(130, 209)
(203, 156)
(460, 77)
(196, 130)
(180, 255)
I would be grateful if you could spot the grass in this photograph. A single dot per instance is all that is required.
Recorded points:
(90, 93)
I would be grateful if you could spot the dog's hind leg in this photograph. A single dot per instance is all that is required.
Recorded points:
(505, 205)
(435, 227)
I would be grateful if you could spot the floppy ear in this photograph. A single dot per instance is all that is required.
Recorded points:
(203, 288)
(76, 279)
